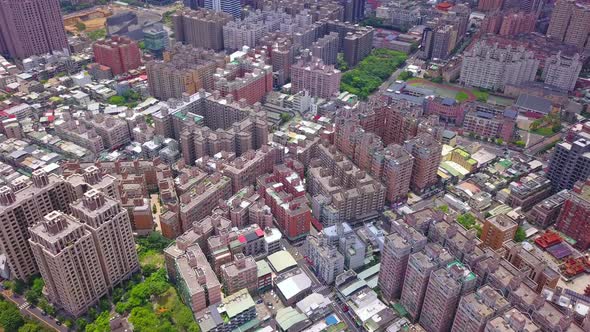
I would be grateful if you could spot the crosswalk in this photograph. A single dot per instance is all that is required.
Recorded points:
(23, 306)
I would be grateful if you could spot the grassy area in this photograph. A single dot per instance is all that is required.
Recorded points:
(545, 131)
(469, 221)
(151, 257)
(370, 73)
(97, 34)
(461, 96)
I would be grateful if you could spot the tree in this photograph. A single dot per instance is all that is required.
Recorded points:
(81, 324)
(80, 26)
(31, 296)
(117, 100)
(437, 79)
(141, 45)
(520, 234)
(10, 318)
(36, 291)
(405, 75)
(30, 327)
(443, 208)
(285, 117)
(499, 141)
(104, 304)
(154, 209)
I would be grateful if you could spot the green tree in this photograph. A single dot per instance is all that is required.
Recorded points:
(116, 100)
(154, 209)
(104, 304)
(405, 75)
(30, 327)
(341, 64)
(100, 324)
(141, 45)
(520, 234)
(443, 208)
(437, 79)
(285, 117)
(10, 317)
(80, 26)
(81, 324)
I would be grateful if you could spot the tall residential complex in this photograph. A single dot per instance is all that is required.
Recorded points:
(477, 308)
(562, 71)
(491, 67)
(489, 5)
(319, 79)
(70, 263)
(426, 152)
(399, 245)
(109, 225)
(246, 32)
(420, 266)
(200, 28)
(184, 69)
(573, 219)
(120, 54)
(232, 7)
(326, 48)
(445, 288)
(20, 209)
(31, 27)
(570, 22)
(569, 164)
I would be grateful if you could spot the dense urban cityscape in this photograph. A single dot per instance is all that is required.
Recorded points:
(295, 165)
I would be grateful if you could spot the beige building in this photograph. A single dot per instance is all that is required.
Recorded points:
(110, 226)
(199, 203)
(239, 274)
(19, 209)
(200, 28)
(69, 261)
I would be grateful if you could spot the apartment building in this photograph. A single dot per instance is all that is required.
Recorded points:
(284, 192)
(529, 191)
(352, 194)
(241, 273)
(199, 203)
(113, 130)
(326, 48)
(198, 285)
(399, 245)
(109, 225)
(357, 45)
(74, 131)
(427, 153)
(570, 163)
(531, 264)
(200, 28)
(184, 69)
(445, 288)
(319, 79)
(419, 268)
(497, 230)
(572, 219)
(546, 212)
(512, 321)
(477, 308)
(492, 67)
(562, 71)
(489, 122)
(119, 53)
(20, 209)
(326, 261)
(31, 28)
(570, 22)
(69, 262)
(244, 32)
(244, 170)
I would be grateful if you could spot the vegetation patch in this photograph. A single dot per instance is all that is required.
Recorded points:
(371, 72)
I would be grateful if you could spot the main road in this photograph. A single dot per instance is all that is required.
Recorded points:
(26, 309)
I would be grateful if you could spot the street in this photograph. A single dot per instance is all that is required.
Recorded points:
(34, 312)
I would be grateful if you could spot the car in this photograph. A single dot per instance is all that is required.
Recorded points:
(58, 323)
(345, 308)
(259, 301)
(43, 313)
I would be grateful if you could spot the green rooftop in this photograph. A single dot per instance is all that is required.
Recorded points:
(237, 303)
(288, 317)
(369, 272)
(467, 277)
(281, 260)
(263, 268)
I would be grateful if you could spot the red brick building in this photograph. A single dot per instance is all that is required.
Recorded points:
(574, 216)
(120, 54)
(284, 192)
